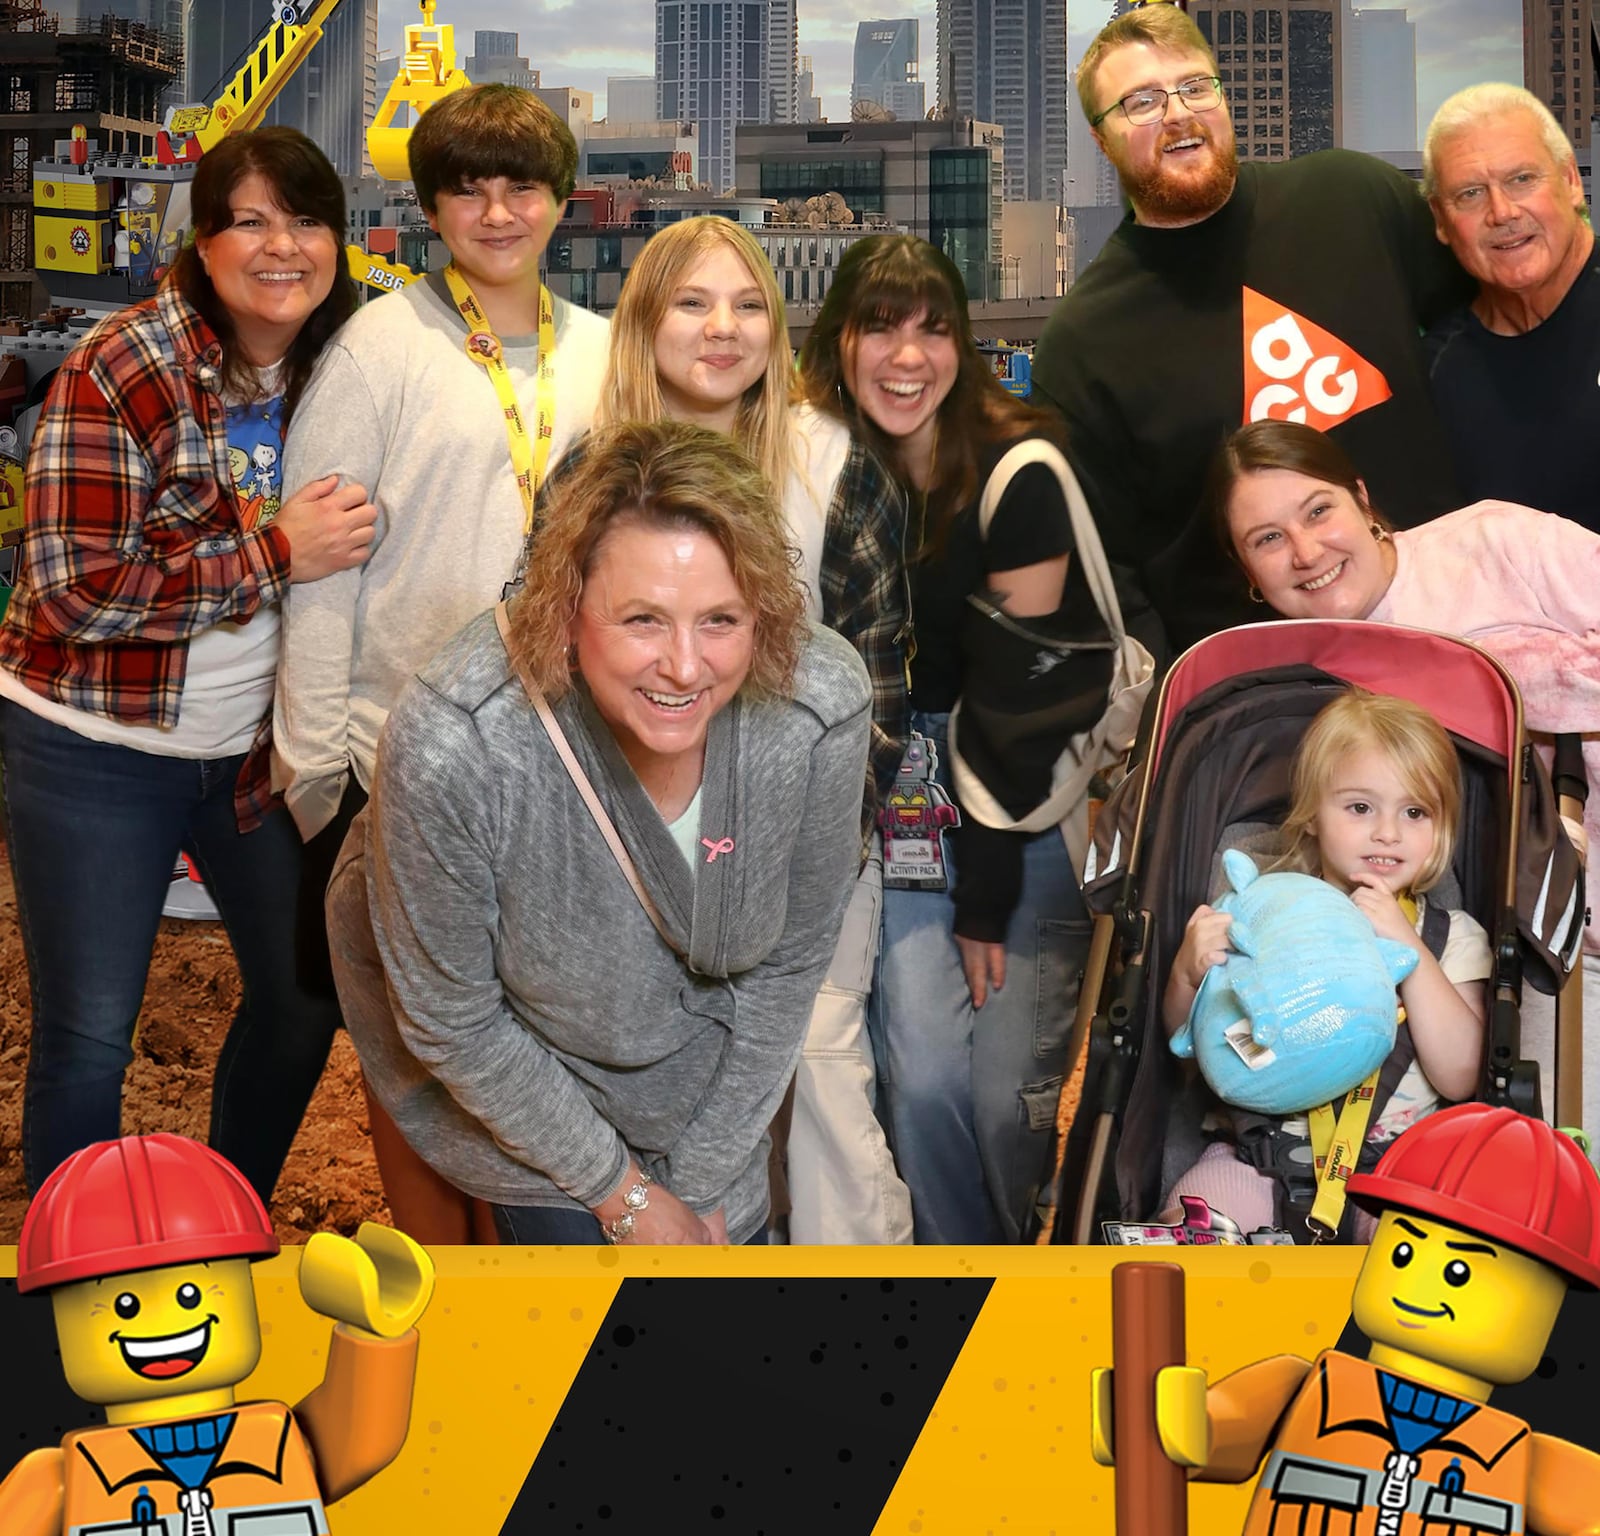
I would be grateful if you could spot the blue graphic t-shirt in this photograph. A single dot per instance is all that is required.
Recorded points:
(255, 455)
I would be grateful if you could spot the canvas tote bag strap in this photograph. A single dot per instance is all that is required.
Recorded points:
(1131, 671)
(1087, 549)
(558, 739)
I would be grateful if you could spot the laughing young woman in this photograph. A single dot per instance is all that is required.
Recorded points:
(973, 1000)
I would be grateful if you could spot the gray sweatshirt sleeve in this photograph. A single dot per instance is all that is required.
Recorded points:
(335, 430)
(773, 1001)
(435, 916)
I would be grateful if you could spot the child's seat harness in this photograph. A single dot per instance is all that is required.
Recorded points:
(1293, 1162)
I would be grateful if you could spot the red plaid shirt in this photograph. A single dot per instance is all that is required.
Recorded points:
(132, 539)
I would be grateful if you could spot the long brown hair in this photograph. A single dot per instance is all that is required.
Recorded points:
(303, 183)
(886, 280)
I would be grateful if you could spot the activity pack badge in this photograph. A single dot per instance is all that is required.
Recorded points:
(914, 820)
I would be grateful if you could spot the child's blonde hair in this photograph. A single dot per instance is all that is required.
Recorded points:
(1410, 738)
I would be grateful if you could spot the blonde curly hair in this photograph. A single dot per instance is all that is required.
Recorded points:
(664, 474)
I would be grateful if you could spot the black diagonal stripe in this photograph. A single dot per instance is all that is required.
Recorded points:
(37, 1407)
(756, 1407)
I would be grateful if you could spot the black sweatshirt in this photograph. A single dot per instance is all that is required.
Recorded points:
(1147, 359)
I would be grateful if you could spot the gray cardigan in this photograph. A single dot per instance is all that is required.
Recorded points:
(514, 1008)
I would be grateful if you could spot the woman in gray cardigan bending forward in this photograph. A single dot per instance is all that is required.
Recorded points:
(598, 1051)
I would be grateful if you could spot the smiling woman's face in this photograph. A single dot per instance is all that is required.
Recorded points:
(1308, 545)
(664, 639)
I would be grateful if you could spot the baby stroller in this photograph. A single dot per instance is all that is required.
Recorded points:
(1212, 771)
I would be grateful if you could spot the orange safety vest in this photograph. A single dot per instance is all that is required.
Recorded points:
(263, 1481)
(1335, 1466)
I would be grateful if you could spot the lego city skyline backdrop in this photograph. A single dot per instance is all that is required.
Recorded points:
(1459, 42)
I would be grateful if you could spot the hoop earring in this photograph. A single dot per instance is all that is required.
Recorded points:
(1379, 533)
(1255, 594)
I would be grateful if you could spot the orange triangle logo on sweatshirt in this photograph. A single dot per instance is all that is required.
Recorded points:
(1296, 371)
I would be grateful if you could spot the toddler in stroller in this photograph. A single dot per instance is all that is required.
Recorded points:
(1212, 772)
(1375, 802)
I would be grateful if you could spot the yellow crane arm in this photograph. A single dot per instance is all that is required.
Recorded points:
(377, 271)
(265, 73)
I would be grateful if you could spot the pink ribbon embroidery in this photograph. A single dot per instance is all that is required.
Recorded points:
(721, 845)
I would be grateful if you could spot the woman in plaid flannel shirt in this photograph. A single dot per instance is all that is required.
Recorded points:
(138, 653)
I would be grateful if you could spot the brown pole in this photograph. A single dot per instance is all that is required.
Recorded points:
(1146, 1334)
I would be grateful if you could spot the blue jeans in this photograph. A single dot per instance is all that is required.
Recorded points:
(94, 831)
(970, 1094)
(532, 1224)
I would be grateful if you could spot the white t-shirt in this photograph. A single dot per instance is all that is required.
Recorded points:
(686, 830)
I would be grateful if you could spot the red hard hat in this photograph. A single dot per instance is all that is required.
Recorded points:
(139, 1203)
(1500, 1175)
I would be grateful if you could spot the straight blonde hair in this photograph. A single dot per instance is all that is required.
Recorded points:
(1413, 741)
(632, 388)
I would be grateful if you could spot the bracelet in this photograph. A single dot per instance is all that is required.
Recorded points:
(635, 1199)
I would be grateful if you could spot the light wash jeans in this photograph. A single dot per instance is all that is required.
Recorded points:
(971, 1093)
(843, 1187)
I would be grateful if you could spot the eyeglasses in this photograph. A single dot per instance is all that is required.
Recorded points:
(1518, 187)
(1200, 94)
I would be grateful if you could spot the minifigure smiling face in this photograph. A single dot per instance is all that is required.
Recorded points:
(1445, 1297)
(158, 1333)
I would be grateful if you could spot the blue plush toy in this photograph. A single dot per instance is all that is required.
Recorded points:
(1306, 1009)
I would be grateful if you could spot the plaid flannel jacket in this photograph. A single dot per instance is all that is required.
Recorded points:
(132, 541)
(865, 598)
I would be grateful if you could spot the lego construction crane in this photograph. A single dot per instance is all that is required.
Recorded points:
(428, 73)
(295, 30)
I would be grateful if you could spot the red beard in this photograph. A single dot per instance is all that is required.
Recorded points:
(1164, 199)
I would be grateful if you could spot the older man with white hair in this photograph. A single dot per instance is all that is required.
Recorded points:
(1516, 374)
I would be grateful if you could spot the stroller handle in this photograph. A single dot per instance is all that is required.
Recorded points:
(1567, 774)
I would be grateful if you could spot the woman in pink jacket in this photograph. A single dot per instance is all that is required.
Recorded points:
(1291, 509)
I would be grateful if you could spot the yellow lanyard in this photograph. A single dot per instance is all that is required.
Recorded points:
(529, 457)
(1337, 1137)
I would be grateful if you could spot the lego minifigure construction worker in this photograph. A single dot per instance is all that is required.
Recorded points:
(144, 1246)
(1486, 1217)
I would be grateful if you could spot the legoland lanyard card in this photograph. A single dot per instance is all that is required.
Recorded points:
(529, 457)
(914, 820)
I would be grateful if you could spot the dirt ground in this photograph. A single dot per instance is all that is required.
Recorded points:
(330, 1181)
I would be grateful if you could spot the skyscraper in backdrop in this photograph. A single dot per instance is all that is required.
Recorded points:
(1560, 43)
(1380, 81)
(494, 59)
(1005, 62)
(1282, 70)
(331, 96)
(783, 61)
(808, 105)
(720, 63)
(888, 64)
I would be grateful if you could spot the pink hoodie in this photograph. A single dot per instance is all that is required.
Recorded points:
(1524, 585)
